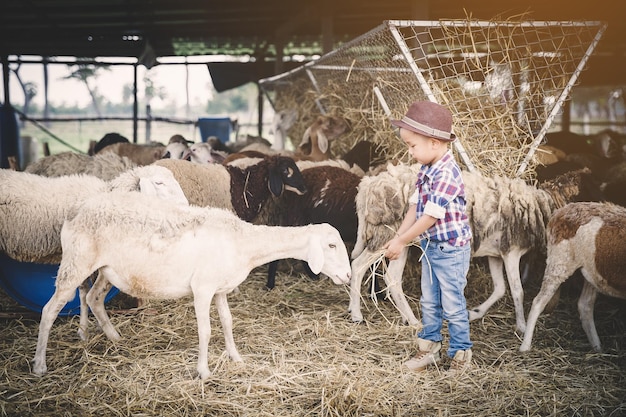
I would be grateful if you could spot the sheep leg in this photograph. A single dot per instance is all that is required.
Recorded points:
(95, 300)
(549, 286)
(512, 265)
(359, 265)
(393, 279)
(201, 304)
(226, 319)
(497, 275)
(271, 275)
(83, 331)
(585, 310)
(49, 314)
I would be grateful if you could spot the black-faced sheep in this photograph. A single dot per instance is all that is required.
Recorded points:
(132, 241)
(244, 191)
(330, 198)
(589, 236)
(508, 219)
(33, 208)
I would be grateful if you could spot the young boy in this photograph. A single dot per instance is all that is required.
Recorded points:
(436, 216)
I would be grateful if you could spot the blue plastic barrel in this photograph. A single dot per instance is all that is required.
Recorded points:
(215, 126)
(32, 285)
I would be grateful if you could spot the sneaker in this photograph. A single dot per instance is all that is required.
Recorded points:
(461, 361)
(428, 354)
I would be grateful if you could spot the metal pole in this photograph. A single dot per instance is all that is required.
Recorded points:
(135, 105)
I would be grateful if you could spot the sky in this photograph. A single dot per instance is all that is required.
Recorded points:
(110, 83)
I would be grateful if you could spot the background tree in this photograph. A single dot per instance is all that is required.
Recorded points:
(88, 74)
(28, 88)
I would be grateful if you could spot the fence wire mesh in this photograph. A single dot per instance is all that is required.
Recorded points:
(504, 82)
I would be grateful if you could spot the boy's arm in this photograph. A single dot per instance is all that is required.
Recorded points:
(407, 232)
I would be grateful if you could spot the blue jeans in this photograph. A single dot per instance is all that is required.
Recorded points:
(444, 276)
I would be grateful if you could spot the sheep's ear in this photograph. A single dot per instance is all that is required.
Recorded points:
(275, 183)
(305, 144)
(322, 141)
(306, 137)
(315, 255)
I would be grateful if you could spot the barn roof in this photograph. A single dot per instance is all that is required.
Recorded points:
(152, 29)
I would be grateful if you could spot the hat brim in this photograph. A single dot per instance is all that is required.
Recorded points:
(403, 125)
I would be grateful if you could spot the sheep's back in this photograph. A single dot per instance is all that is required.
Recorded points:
(382, 201)
(105, 166)
(32, 211)
(203, 185)
(64, 163)
(331, 198)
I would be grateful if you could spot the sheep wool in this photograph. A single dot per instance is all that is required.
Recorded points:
(33, 208)
(203, 185)
(105, 166)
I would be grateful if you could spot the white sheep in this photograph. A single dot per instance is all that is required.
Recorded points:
(33, 208)
(203, 153)
(135, 242)
(282, 121)
(508, 219)
(175, 150)
(589, 236)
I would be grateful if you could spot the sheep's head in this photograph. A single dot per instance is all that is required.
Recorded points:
(284, 174)
(284, 120)
(324, 130)
(203, 153)
(175, 150)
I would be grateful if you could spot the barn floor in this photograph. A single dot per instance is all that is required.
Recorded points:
(303, 357)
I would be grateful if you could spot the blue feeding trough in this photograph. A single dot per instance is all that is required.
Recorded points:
(32, 285)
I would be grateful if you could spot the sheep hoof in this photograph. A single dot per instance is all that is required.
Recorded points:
(83, 334)
(475, 314)
(39, 368)
(204, 374)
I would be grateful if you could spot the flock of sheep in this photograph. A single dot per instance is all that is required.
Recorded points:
(255, 205)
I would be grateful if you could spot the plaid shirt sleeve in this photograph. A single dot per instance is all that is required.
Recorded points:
(443, 197)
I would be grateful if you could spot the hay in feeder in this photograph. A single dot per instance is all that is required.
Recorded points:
(504, 81)
(303, 357)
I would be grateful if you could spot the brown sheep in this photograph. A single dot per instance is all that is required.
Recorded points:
(589, 236)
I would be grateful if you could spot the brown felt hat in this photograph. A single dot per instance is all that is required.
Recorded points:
(428, 119)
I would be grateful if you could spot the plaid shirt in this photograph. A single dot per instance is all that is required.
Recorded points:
(440, 193)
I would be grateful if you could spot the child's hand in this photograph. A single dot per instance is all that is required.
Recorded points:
(393, 248)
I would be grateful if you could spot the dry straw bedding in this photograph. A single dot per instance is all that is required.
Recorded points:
(303, 357)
